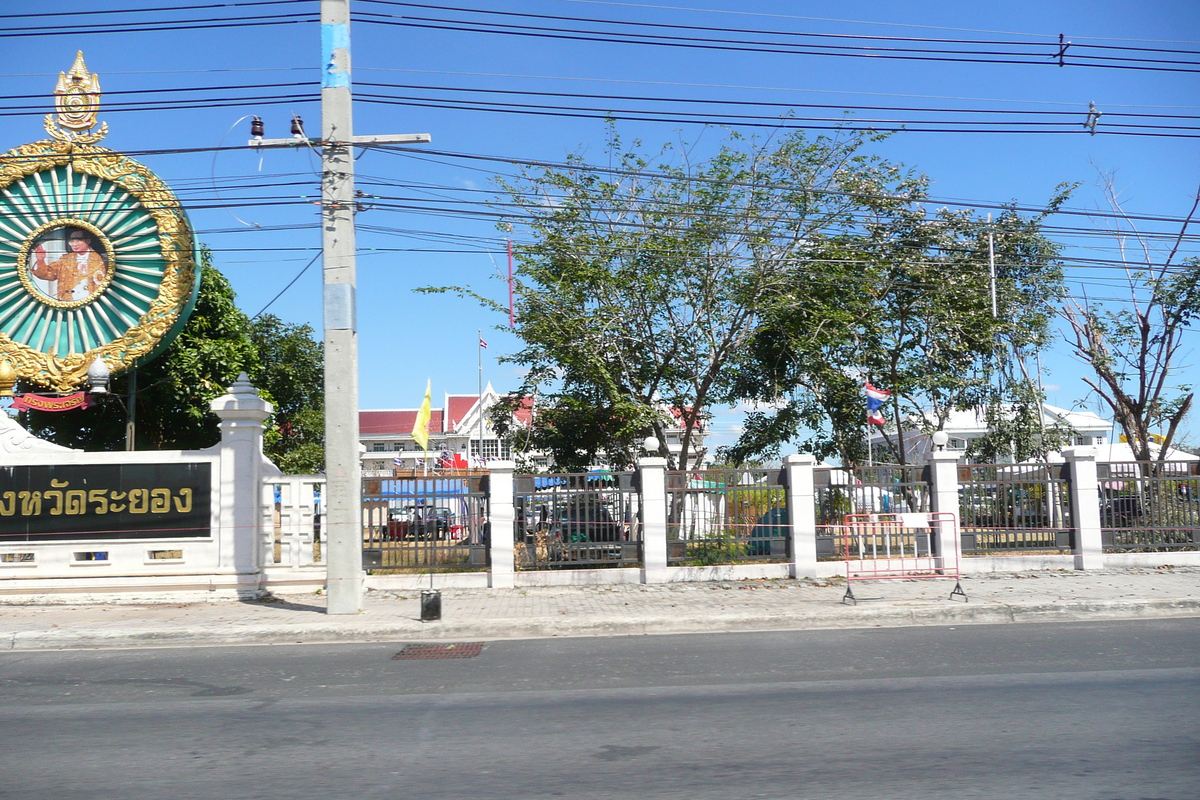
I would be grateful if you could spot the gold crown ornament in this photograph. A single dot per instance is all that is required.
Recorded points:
(76, 101)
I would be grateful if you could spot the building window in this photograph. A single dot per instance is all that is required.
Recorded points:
(1083, 441)
(956, 444)
(492, 449)
(379, 447)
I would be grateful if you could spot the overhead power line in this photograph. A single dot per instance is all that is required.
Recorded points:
(675, 35)
(158, 26)
(111, 12)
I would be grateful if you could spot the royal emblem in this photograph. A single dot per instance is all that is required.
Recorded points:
(77, 102)
(97, 259)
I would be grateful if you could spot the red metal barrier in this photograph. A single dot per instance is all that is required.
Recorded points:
(889, 546)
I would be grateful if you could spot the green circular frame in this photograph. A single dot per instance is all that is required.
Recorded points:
(152, 277)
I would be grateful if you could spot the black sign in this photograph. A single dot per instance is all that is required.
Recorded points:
(106, 501)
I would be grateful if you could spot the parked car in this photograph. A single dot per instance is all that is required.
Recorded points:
(1122, 511)
(586, 518)
(419, 523)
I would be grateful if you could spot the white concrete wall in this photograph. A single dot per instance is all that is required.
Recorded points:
(226, 561)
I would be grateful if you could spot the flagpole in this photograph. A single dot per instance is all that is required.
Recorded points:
(512, 322)
(479, 402)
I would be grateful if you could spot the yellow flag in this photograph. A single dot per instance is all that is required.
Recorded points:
(419, 432)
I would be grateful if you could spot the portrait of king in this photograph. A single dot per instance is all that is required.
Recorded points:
(67, 265)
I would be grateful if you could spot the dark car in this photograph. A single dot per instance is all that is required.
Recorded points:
(586, 518)
(1122, 511)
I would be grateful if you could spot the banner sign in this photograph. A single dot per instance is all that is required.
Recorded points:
(44, 503)
(39, 402)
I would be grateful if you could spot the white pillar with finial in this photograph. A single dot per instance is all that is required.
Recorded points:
(242, 468)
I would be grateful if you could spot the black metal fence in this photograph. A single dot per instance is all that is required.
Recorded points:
(884, 489)
(1014, 507)
(1148, 507)
(422, 523)
(726, 516)
(576, 520)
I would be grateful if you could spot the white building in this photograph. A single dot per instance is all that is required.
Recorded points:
(456, 438)
(963, 427)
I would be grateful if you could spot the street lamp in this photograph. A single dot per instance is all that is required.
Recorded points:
(940, 438)
(650, 445)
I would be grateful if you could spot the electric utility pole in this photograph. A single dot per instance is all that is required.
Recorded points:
(343, 469)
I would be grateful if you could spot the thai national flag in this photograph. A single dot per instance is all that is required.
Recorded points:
(875, 399)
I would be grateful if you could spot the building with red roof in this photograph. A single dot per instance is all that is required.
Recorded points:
(460, 436)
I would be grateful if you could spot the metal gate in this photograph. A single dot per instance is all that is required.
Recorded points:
(726, 516)
(567, 521)
(421, 522)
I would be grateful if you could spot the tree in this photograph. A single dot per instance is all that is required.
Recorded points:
(914, 315)
(174, 390)
(581, 429)
(1132, 345)
(640, 284)
(289, 370)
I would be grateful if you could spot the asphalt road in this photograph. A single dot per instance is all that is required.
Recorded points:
(1103, 711)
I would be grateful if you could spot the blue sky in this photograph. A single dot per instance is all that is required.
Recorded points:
(426, 238)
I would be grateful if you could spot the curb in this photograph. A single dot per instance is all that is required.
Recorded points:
(352, 630)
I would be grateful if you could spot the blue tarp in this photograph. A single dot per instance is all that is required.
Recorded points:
(593, 476)
(423, 487)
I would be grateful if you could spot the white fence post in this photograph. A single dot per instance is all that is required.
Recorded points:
(653, 478)
(243, 466)
(802, 514)
(943, 468)
(1085, 508)
(501, 518)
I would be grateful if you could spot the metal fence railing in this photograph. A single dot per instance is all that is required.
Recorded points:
(576, 520)
(885, 489)
(420, 523)
(726, 516)
(1149, 507)
(1014, 507)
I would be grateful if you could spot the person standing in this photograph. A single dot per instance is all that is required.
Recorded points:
(80, 268)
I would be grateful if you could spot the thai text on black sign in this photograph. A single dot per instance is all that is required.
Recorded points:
(106, 501)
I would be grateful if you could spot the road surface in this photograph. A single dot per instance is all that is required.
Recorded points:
(1102, 711)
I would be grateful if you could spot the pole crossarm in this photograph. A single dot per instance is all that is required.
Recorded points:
(357, 141)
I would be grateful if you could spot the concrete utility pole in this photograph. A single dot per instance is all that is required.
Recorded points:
(343, 469)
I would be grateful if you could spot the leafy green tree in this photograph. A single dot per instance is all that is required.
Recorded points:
(174, 390)
(289, 370)
(579, 430)
(641, 282)
(913, 314)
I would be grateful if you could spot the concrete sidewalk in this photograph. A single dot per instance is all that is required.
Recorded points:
(483, 614)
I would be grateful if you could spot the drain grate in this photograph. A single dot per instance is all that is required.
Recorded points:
(460, 650)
